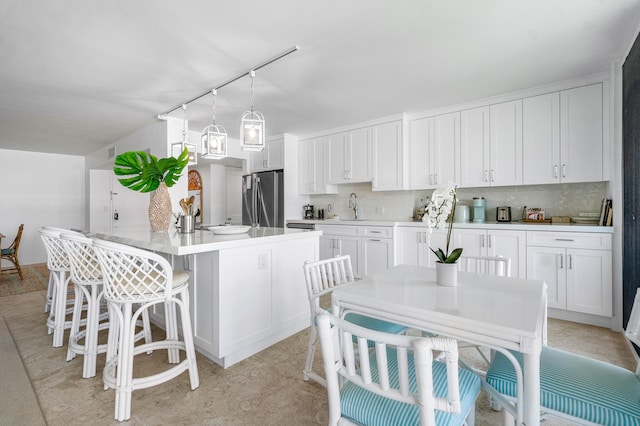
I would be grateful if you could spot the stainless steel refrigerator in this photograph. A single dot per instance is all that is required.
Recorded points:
(263, 199)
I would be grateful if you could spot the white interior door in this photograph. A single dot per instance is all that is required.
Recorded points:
(129, 208)
(100, 200)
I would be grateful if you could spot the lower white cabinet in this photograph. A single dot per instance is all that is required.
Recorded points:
(413, 245)
(494, 242)
(370, 247)
(577, 268)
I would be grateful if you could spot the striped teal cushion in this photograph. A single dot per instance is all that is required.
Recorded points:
(367, 408)
(374, 323)
(580, 387)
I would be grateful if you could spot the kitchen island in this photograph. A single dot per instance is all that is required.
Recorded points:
(247, 291)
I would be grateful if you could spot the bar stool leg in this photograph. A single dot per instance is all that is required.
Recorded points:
(50, 293)
(190, 351)
(125, 365)
(74, 331)
(60, 308)
(171, 327)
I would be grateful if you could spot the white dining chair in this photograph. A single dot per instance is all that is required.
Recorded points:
(491, 265)
(575, 388)
(322, 277)
(136, 280)
(397, 382)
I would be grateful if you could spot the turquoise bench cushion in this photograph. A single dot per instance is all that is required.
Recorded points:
(7, 251)
(367, 408)
(373, 323)
(578, 386)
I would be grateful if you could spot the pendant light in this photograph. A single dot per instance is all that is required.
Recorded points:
(214, 137)
(252, 126)
(178, 147)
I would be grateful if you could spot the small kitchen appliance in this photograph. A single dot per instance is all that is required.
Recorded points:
(503, 214)
(308, 211)
(478, 209)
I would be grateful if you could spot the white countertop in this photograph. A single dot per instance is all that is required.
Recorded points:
(520, 226)
(173, 242)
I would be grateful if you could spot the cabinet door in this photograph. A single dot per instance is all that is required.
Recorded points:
(548, 264)
(506, 143)
(511, 244)
(472, 241)
(581, 134)
(351, 246)
(435, 239)
(328, 247)
(335, 152)
(541, 139)
(408, 242)
(258, 160)
(274, 157)
(359, 155)
(387, 157)
(377, 255)
(306, 167)
(445, 145)
(474, 147)
(421, 135)
(589, 281)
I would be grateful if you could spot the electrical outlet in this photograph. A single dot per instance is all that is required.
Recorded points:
(262, 261)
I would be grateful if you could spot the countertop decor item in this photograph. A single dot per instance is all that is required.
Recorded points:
(440, 211)
(145, 173)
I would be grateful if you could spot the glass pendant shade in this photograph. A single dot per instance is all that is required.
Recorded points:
(252, 131)
(214, 142)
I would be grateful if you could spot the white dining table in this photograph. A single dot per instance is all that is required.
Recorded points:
(501, 313)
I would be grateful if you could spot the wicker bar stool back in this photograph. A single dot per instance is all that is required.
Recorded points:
(142, 278)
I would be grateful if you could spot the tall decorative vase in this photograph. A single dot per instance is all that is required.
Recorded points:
(160, 209)
(447, 274)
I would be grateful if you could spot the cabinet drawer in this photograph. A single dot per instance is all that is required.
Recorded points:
(378, 231)
(339, 230)
(581, 240)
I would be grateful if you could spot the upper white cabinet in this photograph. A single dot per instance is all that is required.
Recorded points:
(349, 156)
(581, 141)
(491, 145)
(388, 149)
(541, 139)
(434, 144)
(474, 147)
(562, 136)
(270, 158)
(311, 170)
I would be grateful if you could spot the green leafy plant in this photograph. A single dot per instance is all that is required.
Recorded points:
(439, 211)
(146, 172)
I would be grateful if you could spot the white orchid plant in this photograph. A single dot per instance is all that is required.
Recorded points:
(438, 212)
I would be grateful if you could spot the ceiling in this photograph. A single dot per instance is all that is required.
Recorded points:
(77, 75)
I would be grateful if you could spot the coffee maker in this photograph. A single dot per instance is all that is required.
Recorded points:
(308, 211)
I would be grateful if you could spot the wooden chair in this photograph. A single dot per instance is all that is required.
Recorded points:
(11, 254)
(576, 388)
(322, 277)
(491, 265)
(395, 383)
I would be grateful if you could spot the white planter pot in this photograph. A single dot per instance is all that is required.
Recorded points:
(447, 274)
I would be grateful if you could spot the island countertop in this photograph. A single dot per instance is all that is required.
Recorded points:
(200, 241)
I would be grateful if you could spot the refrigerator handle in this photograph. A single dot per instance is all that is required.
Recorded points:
(261, 200)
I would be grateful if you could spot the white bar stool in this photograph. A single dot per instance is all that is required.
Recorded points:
(133, 276)
(58, 265)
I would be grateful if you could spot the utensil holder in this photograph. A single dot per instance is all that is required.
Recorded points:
(187, 224)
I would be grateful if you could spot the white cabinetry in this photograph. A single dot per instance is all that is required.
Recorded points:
(576, 268)
(370, 247)
(270, 158)
(491, 145)
(494, 242)
(434, 144)
(563, 136)
(311, 170)
(581, 140)
(413, 245)
(349, 156)
(388, 149)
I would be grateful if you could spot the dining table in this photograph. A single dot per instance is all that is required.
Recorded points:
(501, 313)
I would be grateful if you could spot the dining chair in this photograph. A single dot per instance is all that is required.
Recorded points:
(136, 280)
(575, 388)
(491, 265)
(397, 382)
(322, 277)
(11, 254)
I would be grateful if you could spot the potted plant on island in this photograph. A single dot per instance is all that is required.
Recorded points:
(438, 212)
(145, 174)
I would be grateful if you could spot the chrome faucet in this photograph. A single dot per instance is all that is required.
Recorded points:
(353, 204)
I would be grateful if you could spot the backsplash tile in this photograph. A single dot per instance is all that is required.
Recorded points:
(557, 200)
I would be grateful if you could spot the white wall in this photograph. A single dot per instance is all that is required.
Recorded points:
(39, 190)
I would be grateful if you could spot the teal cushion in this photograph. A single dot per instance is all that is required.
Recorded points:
(578, 386)
(367, 408)
(373, 324)
(7, 251)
